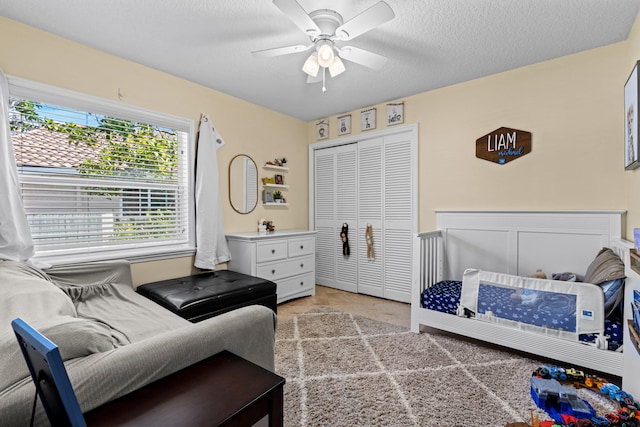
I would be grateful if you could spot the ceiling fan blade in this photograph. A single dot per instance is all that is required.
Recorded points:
(277, 51)
(376, 15)
(316, 79)
(362, 57)
(297, 15)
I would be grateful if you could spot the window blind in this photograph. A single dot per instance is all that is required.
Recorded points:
(96, 182)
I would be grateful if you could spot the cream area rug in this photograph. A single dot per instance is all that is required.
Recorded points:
(348, 370)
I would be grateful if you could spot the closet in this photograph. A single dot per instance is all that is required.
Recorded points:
(368, 180)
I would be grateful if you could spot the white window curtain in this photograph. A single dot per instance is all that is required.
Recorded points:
(211, 244)
(15, 237)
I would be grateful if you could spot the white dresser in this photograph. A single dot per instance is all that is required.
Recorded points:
(286, 257)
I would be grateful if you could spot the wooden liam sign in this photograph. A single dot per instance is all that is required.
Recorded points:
(503, 145)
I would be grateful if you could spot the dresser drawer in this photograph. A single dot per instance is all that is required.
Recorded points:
(292, 285)
(290, 267)
(271, 251)
(303, 246)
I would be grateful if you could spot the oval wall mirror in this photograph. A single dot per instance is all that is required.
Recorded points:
(243, 184)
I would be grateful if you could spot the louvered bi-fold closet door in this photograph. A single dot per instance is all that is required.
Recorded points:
(335, 203)
(370, 202)
(400, 222)
(373, 181)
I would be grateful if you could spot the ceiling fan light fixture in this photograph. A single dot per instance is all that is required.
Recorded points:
(337, 67)
(311, 65)
(325, 27)
(326, 55)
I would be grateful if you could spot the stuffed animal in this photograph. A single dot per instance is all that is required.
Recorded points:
(344, 235)
(539, 274)
(368, 237)
(265, 225)
(566, 277)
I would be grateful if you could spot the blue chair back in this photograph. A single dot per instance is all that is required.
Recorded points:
(49, 376)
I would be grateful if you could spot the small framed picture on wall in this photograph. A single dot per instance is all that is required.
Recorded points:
(631, 120)
(344, 124)
(368, 119)
(395, 113)
(322, 130)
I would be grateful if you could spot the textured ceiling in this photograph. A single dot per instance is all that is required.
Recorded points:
(430, 43)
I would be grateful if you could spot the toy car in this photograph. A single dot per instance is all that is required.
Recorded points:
(609, 389)
(600, 421)
(575, 375)
(551, 372)
(613, 418)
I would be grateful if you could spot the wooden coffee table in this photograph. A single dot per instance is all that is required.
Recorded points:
(223, 390)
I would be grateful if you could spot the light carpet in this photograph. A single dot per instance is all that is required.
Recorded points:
(349, 370)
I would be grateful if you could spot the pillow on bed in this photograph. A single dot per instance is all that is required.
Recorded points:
(607, 270)
(612, 295)
(605, 267)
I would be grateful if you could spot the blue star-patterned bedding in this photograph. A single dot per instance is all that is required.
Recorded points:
(545, 309)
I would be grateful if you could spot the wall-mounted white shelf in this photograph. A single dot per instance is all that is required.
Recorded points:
(275, 168)
(275, 187)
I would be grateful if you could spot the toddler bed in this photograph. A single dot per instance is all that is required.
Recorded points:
(485, 257)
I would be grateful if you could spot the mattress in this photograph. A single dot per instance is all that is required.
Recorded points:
(444, 297)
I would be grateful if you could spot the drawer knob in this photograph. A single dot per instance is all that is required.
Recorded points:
(301, 283)
(273, 251)
(301, 246)
(273, 271)
(301, 265)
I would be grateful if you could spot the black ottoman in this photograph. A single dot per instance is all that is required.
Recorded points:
(208, 294)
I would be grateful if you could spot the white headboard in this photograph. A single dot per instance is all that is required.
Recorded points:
(520, 242)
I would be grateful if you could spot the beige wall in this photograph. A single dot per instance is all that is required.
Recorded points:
(633, 177)
(571, 105)
(35, 55)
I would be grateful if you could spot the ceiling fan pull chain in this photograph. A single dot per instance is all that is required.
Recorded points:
(324, 73)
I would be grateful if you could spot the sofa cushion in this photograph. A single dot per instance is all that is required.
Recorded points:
(26, 292)
(130, 316)
(75, 337)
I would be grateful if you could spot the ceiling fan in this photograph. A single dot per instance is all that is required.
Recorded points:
(327, 30)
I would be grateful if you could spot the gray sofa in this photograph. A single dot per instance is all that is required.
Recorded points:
(112, 339)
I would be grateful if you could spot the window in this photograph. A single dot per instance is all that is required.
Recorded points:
(98, 177)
